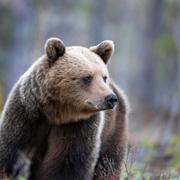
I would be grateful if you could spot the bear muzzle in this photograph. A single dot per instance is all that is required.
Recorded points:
(108, 103)
(111, 101)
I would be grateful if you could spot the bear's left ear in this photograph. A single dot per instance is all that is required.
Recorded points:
(54, 48)
(105, 50)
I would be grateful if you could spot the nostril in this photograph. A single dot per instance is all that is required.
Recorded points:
(114, 99)
(111, 100)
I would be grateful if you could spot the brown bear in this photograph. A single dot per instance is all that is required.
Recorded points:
(66, 116)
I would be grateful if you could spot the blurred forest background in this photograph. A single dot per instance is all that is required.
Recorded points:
(146, 64)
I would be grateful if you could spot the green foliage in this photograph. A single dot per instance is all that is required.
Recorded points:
(85, 7)
(149, 167)
(166, 53)
(148, 146)
(21, 178)
(174, 149)
(165, 47)
(138, 172)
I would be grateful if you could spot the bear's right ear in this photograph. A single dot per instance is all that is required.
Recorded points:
(54, 49)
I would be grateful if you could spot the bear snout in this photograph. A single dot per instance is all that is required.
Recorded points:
(107, 103)
(111, 101)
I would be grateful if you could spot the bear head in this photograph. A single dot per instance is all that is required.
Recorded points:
(78, 80)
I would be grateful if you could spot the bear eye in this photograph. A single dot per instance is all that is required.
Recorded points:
(87, 79)
(73, 78)
(105, 78)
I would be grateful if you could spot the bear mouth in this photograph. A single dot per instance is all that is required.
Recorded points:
(97, 107)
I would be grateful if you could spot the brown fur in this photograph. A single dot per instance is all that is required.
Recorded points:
(55, 120)
(65, 74)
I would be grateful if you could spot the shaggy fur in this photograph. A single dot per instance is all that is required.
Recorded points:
(62, 125)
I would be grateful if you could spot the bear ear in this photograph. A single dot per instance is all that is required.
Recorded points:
(54, 49)
(105, 50)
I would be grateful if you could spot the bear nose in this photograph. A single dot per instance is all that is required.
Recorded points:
(111, 100)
